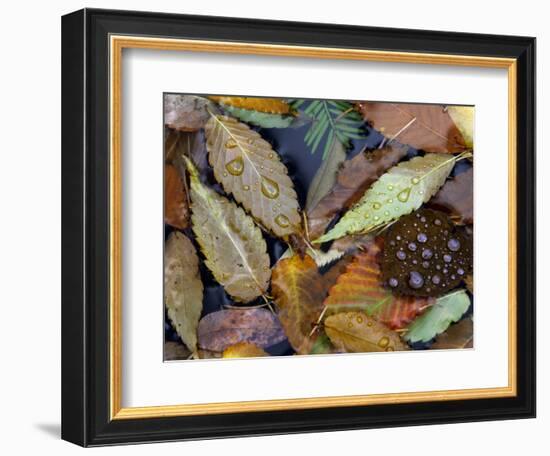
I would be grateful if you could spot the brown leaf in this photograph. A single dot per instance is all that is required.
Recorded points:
(243, 350)
(185, 112)
(354, 178)
(174, 351)
(459, 335)
(430, 127)
(268, 105)
(360, 287)
(356, 332)
(469, 281)
(221, 329)
(298, 291)
(456, 198)
(176, 209)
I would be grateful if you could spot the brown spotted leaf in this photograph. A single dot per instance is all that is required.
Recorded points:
(356, 332)
(360, 287)
(459, 335)
(456, 198)
(176, 210)
(298, 293)
(267, 105)
(422, 126)
(186, 112)
(183, 289)
(243, 350)
(247, 167)
(353, 179)
(220, 330)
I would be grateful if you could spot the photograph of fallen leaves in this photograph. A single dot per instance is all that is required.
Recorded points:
(304, 227)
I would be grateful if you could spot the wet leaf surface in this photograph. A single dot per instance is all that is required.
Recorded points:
(176, 210)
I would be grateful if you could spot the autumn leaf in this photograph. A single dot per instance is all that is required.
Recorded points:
(186, 112)
(243, 350)
(266, 105)
(356, 332)
(447, 309)
(235, 250)
(176, 210)
(469, 281)
(224, 328)
(422, 126)
(353, 179)
(249, 169)
(459, 335)
(400, 191)
(298, 294)
(261, 119)
(456, 198)
(360, 288)
(463, 117)
(183, 289)
(322, 345)
(175, 351)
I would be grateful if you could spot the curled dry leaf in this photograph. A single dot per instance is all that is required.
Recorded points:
(356, 332)
(422, 126)
(176, 210)
(249, 169)
(447, 309)
(220, 330)
(183, 289)
(233, 245)
(360, 288)
(243, 350)
(298, 294)
(353, 179)
(400, 191)
(460, 335)
(456, 198)
(266, 105)
(186, 112)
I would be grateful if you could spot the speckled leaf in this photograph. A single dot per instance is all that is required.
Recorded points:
(360, 288)
(447, 309)
(356, 332)
(298, 293)
(267, 105)
(354, 178)
(243, 350)
(249, 169)
(233, 245)
(183, 290)
(463, 117)
(460, 335)
(403, 189)
(186, 112)
(176, 210)
(456, 198)
(422, 126)
(220, 330)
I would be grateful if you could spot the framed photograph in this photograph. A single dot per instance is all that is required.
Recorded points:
(278, 227)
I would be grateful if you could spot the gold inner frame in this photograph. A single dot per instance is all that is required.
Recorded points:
(117, 44)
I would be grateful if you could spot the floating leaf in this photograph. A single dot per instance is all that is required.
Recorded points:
(456, 198)
(325, 177)
(422, 126)
(266, 105)
(247, 167)
(243, 350)
(233, 245)
(354, 178)
(186, 112)
(298, 293)
(447, 309)
(222, 329)
(174, 351)
(403, 189)
(460, 335)
(463, 117)
(360, 288)
(356, 332)
(176, 210)
(183, 290)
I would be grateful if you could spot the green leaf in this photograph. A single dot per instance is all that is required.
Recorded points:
(447, 309)
(260, 119)
(402, 190)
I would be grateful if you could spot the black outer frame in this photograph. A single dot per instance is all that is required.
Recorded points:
(85, 227)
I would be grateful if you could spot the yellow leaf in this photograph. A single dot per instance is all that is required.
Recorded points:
(463, 117)
(356, 332)
(249, 169)
(268, 105)
(243, 350)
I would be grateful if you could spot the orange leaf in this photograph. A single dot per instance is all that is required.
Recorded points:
(267, 105)
(422, 126)
(176, 210)
(298, 290)
(360, 288)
